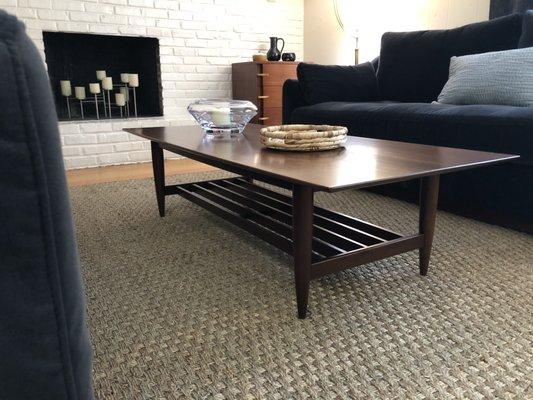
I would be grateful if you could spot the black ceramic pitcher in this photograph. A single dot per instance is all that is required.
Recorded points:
(273, 53)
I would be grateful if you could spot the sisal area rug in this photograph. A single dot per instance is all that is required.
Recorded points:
(191, 307)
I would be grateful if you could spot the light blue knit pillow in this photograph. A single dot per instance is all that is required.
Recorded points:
(501, 77)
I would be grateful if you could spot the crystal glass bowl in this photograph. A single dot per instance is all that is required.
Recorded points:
(222, 117)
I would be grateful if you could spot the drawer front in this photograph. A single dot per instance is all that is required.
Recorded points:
(272, 96)
(277, 74)
(271, 116)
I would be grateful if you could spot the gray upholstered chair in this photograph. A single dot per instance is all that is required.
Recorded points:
(45, 352)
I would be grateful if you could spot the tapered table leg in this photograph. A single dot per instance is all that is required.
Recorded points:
(159, 176)
(429, 196)
(302, 220)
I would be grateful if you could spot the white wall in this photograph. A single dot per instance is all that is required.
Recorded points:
(326, 43)
(199, 39)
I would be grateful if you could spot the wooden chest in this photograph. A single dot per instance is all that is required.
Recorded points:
(262, 84)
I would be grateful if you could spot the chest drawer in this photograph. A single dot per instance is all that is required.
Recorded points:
(277, 74)
(271, 116)
(272, 96)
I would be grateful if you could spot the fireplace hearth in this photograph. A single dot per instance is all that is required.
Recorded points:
(82, 93)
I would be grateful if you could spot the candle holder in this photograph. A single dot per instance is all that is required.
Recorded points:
(107, 85)
(94, 88)
(126, 92)
(134, 82)
(96, 106)
(120, 101)
(66, 90)
(105, 105)
(125, 79)
(109, 103)
(79, 91)
(68, 107)
(222, 118)
(100, 75)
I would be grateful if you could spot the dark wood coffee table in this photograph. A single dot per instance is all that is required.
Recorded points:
(321, 241)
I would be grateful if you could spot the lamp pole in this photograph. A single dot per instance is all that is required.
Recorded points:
(351, 32)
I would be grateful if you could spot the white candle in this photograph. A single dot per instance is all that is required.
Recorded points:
(221, 116)
(125, 92)
(94, 88)
(124, 78)
(107, 83)
(66, 89)
(80, 92)
(100, 74)
(134, 80)
(120, 99)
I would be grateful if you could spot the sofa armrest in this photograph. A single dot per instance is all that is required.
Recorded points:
(292, 98)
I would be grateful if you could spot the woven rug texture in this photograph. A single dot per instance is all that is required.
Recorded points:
(190, 307)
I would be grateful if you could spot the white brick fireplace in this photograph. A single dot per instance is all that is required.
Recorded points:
(198, 39)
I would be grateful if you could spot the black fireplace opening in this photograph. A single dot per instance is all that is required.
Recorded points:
(76, 57)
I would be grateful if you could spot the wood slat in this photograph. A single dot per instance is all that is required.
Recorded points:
(364, 232)
(320, 249)
(335, 241)
(366, 255)
(270, 237)
(172, 189)
(367, 227)
(348, 239)
(269, 218)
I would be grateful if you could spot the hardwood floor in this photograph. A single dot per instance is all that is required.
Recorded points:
(89, 176)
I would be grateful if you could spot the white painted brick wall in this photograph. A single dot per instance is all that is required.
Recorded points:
(199, 40)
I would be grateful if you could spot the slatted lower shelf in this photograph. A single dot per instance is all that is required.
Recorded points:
(268, 214)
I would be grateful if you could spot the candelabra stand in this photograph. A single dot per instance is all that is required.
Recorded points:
(134, 82)
(108, 102)
(125, 90)
(66, 90)
(107, 86)
(105, 104)
(68, 106)
(96, 106)
(80, 95)
(104, 86)
(134, 102)
(120, 101)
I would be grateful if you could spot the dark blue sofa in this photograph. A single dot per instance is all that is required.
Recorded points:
(45, 352)
(411, 71)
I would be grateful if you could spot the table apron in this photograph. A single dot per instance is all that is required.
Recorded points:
(246, 172)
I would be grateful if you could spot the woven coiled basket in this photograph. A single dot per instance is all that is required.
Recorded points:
(303, 137)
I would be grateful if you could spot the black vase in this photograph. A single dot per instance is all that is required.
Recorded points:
(274, 54)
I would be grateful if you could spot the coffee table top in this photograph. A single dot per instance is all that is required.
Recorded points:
(362, 162)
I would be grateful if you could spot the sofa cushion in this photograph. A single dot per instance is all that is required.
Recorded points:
(502, 129)
(500, 77)
(413, 66)
(321, 83)
(526, 39)
(45, 352)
